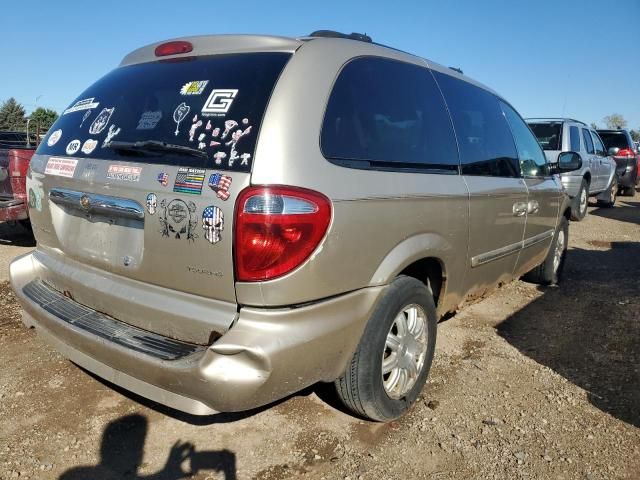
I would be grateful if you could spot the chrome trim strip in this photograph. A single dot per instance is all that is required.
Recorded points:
(541, 237)
(94, 203)
(509, 249)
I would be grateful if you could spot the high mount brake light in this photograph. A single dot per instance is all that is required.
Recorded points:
(276, 229)
(173, 48)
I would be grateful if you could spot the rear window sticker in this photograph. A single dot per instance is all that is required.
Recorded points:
(219, 156)
(192, 130)
(213, 143)
(189, 180)
(202, 146)
(149, 120)
(101, 121)
(89, 146)
(72, 147)
(113, 131)
(228, 126)
(245, 158)
(245, 121)
(163, 178)
(215, 132)
(62, 167)
(208, 126)
(86, 104)
(219, 102)
(124, 172)
(212, 223)
(54, 137)
(194, 88)
(86, 115)
(179, 115)
(177, 219)
(152, 203)
(220, 184)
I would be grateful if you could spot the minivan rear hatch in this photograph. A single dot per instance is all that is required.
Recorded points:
(139, 178)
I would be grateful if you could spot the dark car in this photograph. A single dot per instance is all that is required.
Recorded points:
(620, 144)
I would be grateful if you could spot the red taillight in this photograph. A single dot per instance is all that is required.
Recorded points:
(276, 229)
(625, 152)
(173, 48)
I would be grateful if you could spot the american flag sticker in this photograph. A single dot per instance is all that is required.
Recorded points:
(163, 178)
(220, 184)
(189, 180)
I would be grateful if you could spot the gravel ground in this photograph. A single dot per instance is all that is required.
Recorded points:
(528, 383)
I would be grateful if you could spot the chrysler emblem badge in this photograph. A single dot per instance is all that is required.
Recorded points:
(85, 202)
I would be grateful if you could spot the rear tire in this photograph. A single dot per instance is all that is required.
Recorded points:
(549, 272)
(580, 202)
(630, 192)
(397, 341)
(607, 199)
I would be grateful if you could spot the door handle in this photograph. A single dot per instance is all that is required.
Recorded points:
(533, 207)
(519, 209)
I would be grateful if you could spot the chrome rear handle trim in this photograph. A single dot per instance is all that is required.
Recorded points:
(95, 203)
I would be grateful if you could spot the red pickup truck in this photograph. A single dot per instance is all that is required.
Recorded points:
(15, 155)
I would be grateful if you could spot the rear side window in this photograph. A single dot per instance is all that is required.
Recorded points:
(597, 144)
(212, 104)
(388, 114)
(549, 135)
(587, 140)
(574, 139)
(485, 141)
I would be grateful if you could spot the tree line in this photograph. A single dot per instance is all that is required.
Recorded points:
(13, 117)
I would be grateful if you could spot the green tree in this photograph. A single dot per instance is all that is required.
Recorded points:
(615, 121)
(594, 125)
(42, 118)
(635, 134)
(12, 115)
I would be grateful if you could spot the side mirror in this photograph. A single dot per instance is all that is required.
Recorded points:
(568, 162)
(613, 151)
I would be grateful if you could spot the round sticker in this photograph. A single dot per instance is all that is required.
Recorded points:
(89, 146)
(54, 137)
(73, 147)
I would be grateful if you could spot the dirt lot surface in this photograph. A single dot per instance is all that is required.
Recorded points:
(528, 383)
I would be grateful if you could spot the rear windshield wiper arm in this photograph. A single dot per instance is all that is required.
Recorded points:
(156, 146)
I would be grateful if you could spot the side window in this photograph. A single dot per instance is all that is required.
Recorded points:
(597, 143)
(485, 142)
(532, 159)
(384, 113)
(587, 140)
(574, 139)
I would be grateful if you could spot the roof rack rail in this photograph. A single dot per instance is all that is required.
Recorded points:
(361, 37)
(561, 119)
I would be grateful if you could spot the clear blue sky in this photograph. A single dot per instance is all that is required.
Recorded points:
(547, 57)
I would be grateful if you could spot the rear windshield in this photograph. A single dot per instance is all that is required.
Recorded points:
(213, 105)
(549, 135)
(614, 140)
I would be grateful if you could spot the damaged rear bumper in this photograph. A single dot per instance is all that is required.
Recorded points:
(266, 355)
(13, 209)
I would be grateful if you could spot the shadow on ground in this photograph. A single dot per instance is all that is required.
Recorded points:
(13, 233)
(626, 210)
(591, 340)
(122, 450)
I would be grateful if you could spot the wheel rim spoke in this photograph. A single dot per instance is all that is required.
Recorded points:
(405, 351)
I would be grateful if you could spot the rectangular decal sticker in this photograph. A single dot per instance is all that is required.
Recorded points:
(123, 172)
(86, 104)
(189, 180)
(62, 167)
(219, 102)
(193, 88)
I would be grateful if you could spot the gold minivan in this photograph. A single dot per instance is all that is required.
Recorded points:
(222, 221)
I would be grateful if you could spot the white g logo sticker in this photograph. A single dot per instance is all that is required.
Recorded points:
(219, 101)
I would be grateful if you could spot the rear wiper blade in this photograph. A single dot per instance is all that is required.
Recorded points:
(156, 146)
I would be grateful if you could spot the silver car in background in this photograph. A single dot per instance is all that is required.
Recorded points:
(596, 178)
